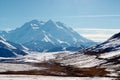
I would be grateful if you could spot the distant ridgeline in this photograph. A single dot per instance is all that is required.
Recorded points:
(47, 36)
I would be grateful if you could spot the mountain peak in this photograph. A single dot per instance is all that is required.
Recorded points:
(50, 21)
(34, 21)
(34, 24)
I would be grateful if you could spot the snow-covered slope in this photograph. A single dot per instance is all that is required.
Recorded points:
(107, 50)
(105, 55)
(9, 50)
(47, 36)
(112, 44)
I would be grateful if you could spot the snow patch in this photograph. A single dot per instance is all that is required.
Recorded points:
(35, 26)
(46, 38)
(110, 54)
(7, 44)
(60, 41)
(16, 67)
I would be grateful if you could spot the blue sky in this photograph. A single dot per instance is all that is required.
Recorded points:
(76, 13)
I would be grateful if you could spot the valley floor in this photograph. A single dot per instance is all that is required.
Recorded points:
(39, 77)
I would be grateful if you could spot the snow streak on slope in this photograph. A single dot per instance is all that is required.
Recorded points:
(110, 54)
(7, 44)
(112, 42)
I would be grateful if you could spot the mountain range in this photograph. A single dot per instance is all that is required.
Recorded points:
(47, 36)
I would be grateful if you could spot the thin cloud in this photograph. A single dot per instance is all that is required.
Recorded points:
(98, 35)
(97, 29)
(94, 16)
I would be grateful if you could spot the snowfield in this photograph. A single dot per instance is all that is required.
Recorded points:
(17, 67)
(82, 61)
(40, 57)
(110, 54)
(36, 77)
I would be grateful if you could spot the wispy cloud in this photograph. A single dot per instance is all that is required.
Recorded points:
(95, 34)
(98, 29)
(94, 16)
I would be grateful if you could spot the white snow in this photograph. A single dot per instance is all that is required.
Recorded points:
(46, 38)
(1, 38)
(17, 67)
(35, 26)
(112, 43)
(59, 27)
(60, 41)
(40, 77)
(7, 44)
(82, 61)
(39, 57)
(25, 47)
(110, 54)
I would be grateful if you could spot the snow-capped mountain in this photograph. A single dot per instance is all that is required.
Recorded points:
(47, 36)
(9, 50)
